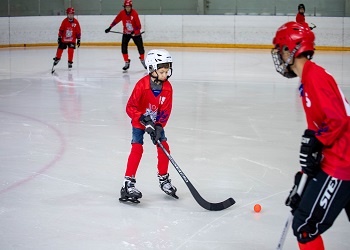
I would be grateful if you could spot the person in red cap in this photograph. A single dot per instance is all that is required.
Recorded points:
(324, 151)
(69, 35)
(131, 30)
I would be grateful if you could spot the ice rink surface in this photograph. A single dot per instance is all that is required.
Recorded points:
(235, 132)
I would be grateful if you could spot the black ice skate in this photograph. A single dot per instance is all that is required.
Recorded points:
(143, 63)
(166, 186)
(70, 64)
(128, 192)
(127, 65)
(55, 62)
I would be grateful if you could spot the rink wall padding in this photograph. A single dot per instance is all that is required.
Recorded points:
(216, 31)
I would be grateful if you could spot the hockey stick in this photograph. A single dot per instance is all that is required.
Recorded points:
(203, 203)
(117, 32)
(290, 217)
(313, 26)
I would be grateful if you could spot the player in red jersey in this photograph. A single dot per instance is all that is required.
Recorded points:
(131, 30)
(325, 146)
(149, 108)
(69, 36)
(300, 17)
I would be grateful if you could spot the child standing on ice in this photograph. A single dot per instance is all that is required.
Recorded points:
(149, 108)
(68, 36)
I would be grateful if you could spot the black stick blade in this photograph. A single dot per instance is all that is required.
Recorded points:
(208, 205)
(203, 203)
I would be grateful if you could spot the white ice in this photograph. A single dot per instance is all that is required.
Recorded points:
(234, 131)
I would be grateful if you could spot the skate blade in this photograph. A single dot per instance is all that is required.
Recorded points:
(173, 195)
(132, 200)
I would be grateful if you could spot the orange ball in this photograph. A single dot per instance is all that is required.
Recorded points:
(257, 208)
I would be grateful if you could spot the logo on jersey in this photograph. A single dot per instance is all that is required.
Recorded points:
(327, 196)
(69, 33)
(152, 112)
(307, 100)
(162, 99)
(128, 26)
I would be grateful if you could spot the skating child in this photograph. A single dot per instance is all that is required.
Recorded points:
(131, 30)
(149, 108)
(69, 35)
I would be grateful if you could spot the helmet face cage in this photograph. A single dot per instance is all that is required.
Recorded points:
(156, 58)
(284, 67)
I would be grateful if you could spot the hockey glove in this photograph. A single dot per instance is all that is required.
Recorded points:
(294, 198)
(78, 42)
(148, 123)
(310, 153)
(108, 30)
(59, 40)
(157, 133)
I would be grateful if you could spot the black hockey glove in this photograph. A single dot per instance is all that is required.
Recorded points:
(310, 153)
(59, 40)
(157, 133)
(148, 123)
(108, 30)
(78, 42)
(294, 198)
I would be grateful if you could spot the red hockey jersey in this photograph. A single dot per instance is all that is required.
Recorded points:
(300, 18)
(69, 30)
(131, 22)
(143, 102)
(328, 113)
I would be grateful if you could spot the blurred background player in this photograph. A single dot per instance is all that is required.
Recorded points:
(69, 36)
(300, 17)
(149, 108)
(131, 30)
(325, 151)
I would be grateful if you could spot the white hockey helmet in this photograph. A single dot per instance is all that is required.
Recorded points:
(155, 57)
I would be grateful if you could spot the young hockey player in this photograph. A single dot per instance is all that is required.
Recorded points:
(131, 30)
(69, 35)
(325, 145)
(300, 17)
(149, 108)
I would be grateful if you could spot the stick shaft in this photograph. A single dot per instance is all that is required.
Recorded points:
(290, 217)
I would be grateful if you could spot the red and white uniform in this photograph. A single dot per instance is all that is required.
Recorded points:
(69, 30)
(142, 101)
(328, 113)
(131, 22)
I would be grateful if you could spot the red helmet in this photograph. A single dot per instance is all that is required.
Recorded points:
(297, 39)
(127, 3)
(292, 34)
(70, 11)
